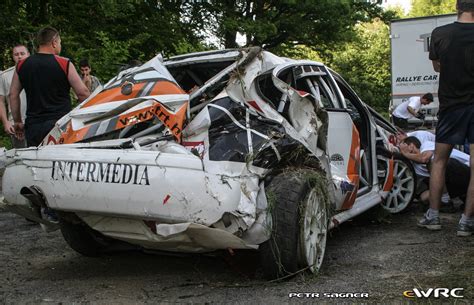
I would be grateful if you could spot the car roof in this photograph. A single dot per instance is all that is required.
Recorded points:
(201, 57)
(219, 56)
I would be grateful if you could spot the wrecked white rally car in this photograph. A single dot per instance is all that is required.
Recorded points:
(236, 149)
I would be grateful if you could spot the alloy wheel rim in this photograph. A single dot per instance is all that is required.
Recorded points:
(402, 189)
(314, 232)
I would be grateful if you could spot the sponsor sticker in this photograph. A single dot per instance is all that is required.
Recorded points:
(100, 172)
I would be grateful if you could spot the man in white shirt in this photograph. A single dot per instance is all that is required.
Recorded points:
(421, 135)
(410, 109)
(458, 167)
(19, 52)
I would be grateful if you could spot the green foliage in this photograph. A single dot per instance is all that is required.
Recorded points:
(298, 52)
(432, 7)
(5, 140)
(270, 24)
(365, 63)
(111, 33)
(109, 57)
(397, 11)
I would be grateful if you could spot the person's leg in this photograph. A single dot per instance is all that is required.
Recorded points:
(457, 178)
(466, 224)
(456, 183)
(425, 196)
(438, 168)
(399, 122)
(469, 210)
(404, 124)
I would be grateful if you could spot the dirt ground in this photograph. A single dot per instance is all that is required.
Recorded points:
(381, 258)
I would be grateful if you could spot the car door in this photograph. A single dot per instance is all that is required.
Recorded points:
(344, 154)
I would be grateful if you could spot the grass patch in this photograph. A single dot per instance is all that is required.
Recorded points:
(5, 140)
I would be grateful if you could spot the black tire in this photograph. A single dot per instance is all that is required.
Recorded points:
(82, 238)
(403, 191)
(280, 255)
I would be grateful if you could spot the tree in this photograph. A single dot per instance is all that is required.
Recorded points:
(365, 63)
(270, 24)
(432, 7)
(101, 29)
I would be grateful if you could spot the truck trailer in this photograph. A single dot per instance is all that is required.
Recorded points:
(412, 71)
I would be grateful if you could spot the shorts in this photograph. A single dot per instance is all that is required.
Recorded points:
(455, 126)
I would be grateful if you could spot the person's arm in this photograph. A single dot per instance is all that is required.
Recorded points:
(412, 111)
(436, 65)
(413, 105)
(7, 125)
(77, 85)
(15, 105)
(434, 50)
(423, 157)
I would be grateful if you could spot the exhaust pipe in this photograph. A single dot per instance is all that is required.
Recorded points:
(34, 196)
(38, 204)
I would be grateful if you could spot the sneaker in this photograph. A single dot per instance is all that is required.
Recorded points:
(465, 229)
(433, 224)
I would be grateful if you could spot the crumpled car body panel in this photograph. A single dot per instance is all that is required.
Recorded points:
(155, 161)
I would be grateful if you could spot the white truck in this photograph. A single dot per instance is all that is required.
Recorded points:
(412, 71)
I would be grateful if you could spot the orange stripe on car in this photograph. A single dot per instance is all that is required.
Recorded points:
(353, 169)
(73, 136)
(114, 94)
(173, 120)
(389, 182)
(166, 87)
(121, 93)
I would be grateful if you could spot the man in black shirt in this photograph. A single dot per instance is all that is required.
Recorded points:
(452, 53)
(47, 79)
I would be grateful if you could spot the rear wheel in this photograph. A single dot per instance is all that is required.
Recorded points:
(298, 220)
(82, 238)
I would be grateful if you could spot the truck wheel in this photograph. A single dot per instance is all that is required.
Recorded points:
(83, 239)
(298, 213)
(404, 186)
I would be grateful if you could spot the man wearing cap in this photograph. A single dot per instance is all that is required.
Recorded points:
(410, 109)
(452, 54)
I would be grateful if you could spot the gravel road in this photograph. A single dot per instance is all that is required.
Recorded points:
(380, 258)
